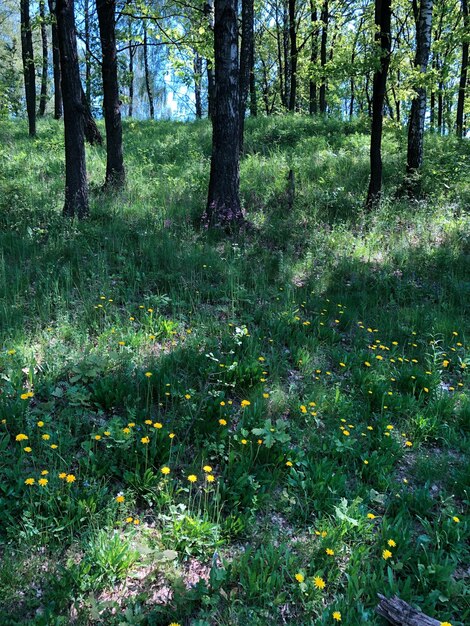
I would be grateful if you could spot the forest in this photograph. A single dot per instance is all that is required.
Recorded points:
(234, 312)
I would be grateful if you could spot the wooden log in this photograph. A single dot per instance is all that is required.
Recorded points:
(399, 613)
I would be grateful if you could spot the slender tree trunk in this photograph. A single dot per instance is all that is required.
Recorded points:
(383, 37)
(440, 108)
(324, 36)
(223, 202)
(246, 54)
(312, 106)
(147, 73)
(28, 66)
(432, 111)
(86, 11)
(293, 56)
(115, 174)
(209, 13)
(76, 189)
(285, 48)
(279, 58)
(463, 73)
(253, 100)
(418, 105)
(55, 63)
(131, 79)
(43, 96)
(197, 68)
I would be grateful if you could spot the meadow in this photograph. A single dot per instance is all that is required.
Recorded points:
(268, 428)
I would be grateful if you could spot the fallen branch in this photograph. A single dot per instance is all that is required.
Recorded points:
(399, 613)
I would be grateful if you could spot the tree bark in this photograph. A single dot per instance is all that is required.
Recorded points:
(324, 36)
(246, 53)
(223, 202)
(279, 59)
(383, 37)
(399, 613)
(76, 189)
(115, 174)
(147, 73)
(28, 66)
(86, 11)
(131, 78)
(463, 73)
(55, 63)
(418, 105)
(197, 66)
(294, 53)
(253, 100)
(43, 96)
(313, 107)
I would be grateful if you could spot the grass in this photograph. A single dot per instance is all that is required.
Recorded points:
(318, 365)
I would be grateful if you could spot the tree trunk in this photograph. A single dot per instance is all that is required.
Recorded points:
(43, 96)
(86, 11)
(76, 189)
(147, 73)
(28, 66)
(418, 105)
(463, 73)
(197, 67)
(246, 53)
(223, 202)
(312, 106)
(285, 48)
(293, 56)
(92, 134)
(399, 613)
(55, 63)
(115, 174)
(131, 79)
(383, 37)
(209, 13)
(253, 101)
(324, 36)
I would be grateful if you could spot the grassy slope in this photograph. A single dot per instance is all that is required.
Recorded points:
(286, 317)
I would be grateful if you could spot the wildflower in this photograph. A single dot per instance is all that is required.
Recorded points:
(187, 396)
(97, 437)
(245, 403)
(446, 624)
(172, 435)
(174, 624)
(371, 516)
(157, 425)
(319, 582)
(210, 478)
(129, 520)
(40, 424)
(148, 374)
(46, 437)
(265, 396)
(456, 519)
(299, 577)
(445, 363)
(244, 442)
(29, 481)
(408, 444)
(223, 422)
(342, 364)
(207, 468)
(131, 425)
(121, 343)
(120, 498)
(289, 463)
(386, 554)
(346, 433)
(390, 427)
(165, 470)
(44, 473)
(62, 475)
(337, 616)
(145, 440)
(192, 478)
(259, 442)
(136, 522)
(28, 449)
(42, 482)
(329, 552)
(366, 462)
(70, 478)
(148, 422)
(21, 437)
(126, 430)
(54, 446)
(366, 363)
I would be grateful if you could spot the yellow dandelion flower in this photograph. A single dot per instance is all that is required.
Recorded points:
(70, 478)
(21, 437)
(165, 470)
(148, 374)
(192, 478)
(207, 468)
(456, 519)
(120, 498)
(392, 543)
(371, 516)
(145, 440)
(40, 424)
(386, 554)
(210, 478)
(337, 616)
(245, 403)
(299, 577)
(29, 481)
(319, 582)
(42, 482)
(62, 475)
(330, 552)
(223, 422)
(28, 449)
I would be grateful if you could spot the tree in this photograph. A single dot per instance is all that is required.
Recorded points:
(115, 174)
(324, 35)
(293, 56)
(463, 71)
(223, 203)
(29, 72)
(383, 14)
(423, 17)
(76, 189)
(55, 63)
(246, 59)
(43, 96)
